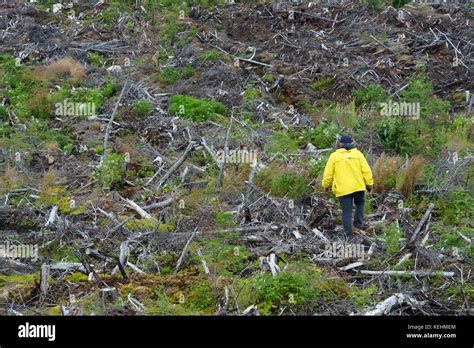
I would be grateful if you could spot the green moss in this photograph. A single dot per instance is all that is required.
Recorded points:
(144, 225)
(166, 270)
(68, 206)
(77, 277)
(269, 78)
(17, 279)
(251, 94)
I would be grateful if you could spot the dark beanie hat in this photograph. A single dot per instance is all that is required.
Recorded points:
(346, 139)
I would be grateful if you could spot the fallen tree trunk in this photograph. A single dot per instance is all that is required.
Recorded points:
(411, 273)
(178, 163)
(422, 223)
(385, 306)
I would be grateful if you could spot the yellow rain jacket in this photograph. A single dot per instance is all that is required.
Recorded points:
(349, 172)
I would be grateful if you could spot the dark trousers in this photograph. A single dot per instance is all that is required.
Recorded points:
(346, 205)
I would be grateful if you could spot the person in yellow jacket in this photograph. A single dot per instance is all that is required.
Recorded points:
(350, 175)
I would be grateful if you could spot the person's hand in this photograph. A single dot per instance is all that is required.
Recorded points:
(369, 189)
(325, 189)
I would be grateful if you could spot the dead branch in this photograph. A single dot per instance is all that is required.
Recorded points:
(111, 120)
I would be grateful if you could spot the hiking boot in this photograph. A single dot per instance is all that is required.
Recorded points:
(358, 230)
(362, 227)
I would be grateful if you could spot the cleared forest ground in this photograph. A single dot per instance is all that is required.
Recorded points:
(167, 159)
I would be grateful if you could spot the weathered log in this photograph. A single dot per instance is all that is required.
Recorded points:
(422, 223)
(385, 306)
(411, 273)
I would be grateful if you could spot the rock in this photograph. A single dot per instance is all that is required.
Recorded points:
(57, 8)
(310, 147)
(50, 159)
(114, 69)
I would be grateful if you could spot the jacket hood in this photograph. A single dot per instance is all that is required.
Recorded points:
(348, 146)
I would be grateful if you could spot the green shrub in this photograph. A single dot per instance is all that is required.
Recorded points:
(303, 289)
(323, 135)
(3, 114)
(142, 107)
(37, 132)
(344, 116)
(170, 29)
(286, 287)
(321, 84)
(456, 207)
(303, 105)
(315, 166)
(281, 142)
(399, 136)
(420, 90)
(5, 130)
(95, 59)
(111, 171)
(160, 57)
(288, 184)
(399, 3)
(375, 5)
(222, 257)
(367, 97)
(200, 297)
(392, 235)
(170, 75)
(108, 17)
(17, 84)
(450, 237)
(209, 56)
(198, 110)
(225, 219)
(93, 96)
(280, 182)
